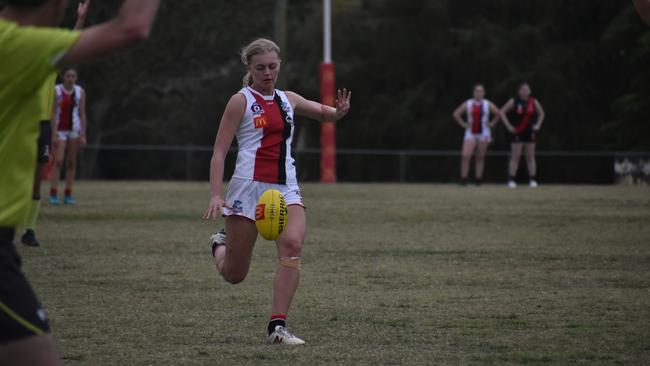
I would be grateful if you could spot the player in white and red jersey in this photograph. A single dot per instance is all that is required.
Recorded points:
(70, 121)
(262, 119)
(477, 131)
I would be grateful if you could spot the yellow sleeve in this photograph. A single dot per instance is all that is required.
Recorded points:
(47, 96)
(30, 55)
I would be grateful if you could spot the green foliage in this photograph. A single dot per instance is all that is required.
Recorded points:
(409, 64)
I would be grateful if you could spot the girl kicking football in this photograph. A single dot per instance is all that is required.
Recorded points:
(262, 119)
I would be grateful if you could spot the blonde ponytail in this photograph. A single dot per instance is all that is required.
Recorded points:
(257, 47)
(248, 80)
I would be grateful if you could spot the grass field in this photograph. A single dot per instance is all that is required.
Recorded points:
(394, 275)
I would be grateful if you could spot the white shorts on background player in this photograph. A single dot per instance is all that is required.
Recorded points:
(68, 135)
(243, 194)
(485, 135)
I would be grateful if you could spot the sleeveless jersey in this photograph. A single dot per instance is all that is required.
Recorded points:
(264, 137)
(524, 115)
(67, 108)
(478, 116)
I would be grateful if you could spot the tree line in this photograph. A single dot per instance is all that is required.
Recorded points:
(408, 62)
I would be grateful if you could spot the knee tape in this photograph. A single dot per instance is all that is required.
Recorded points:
(291, 262)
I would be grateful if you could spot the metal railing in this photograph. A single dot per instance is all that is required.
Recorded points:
(397, 165)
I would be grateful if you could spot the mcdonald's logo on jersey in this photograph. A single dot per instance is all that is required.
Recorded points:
(260, 122)
(259, 212)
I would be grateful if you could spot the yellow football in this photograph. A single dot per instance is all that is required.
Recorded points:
(271, 214)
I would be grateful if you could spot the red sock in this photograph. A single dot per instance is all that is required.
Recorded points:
(68, 192)
(53, 192)
(278, 319)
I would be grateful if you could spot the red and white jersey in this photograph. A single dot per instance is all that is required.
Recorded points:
(264, 137)
(478, 116)
(67, 116)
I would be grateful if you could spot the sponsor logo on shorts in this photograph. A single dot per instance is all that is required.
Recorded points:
(260, 122)
(237, 207)
(260, 212)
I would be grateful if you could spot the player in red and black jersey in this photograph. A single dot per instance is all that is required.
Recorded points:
(523, 117)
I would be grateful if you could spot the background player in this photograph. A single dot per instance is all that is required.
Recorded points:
(262, 120)
(46, 143)
(477, 131)
(528, 115)
(71, 123)
(28, 56)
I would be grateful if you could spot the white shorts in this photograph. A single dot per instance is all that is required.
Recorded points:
(68, 135)
(485, 136)
(243, 194)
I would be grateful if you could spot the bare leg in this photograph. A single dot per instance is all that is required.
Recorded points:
(36, 351)
(71, 166)
(234, 259)
(515, 156)
(530, 159)
(289, 246)
(480, 159)
(55, 174)
(466, 157)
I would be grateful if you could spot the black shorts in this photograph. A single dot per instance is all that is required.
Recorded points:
(21, 315)
(44, 143)
(527, 136)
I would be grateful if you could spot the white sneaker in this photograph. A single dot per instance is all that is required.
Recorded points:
(533, 184)
(218, 238)
(512, 184)
(282, 336)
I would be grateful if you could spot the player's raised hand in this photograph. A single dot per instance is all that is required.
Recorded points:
(82, 12)
(82, 9)
(342, 103)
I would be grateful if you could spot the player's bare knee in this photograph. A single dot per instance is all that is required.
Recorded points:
(291, 246)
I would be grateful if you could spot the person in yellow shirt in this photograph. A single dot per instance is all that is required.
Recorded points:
(29, 53)
(45, 143)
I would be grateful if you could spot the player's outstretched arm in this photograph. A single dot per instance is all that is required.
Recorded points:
(643, 6)
(227, 128)
(458, 116)
(132, 25)
(504, 114)
(321, 112)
